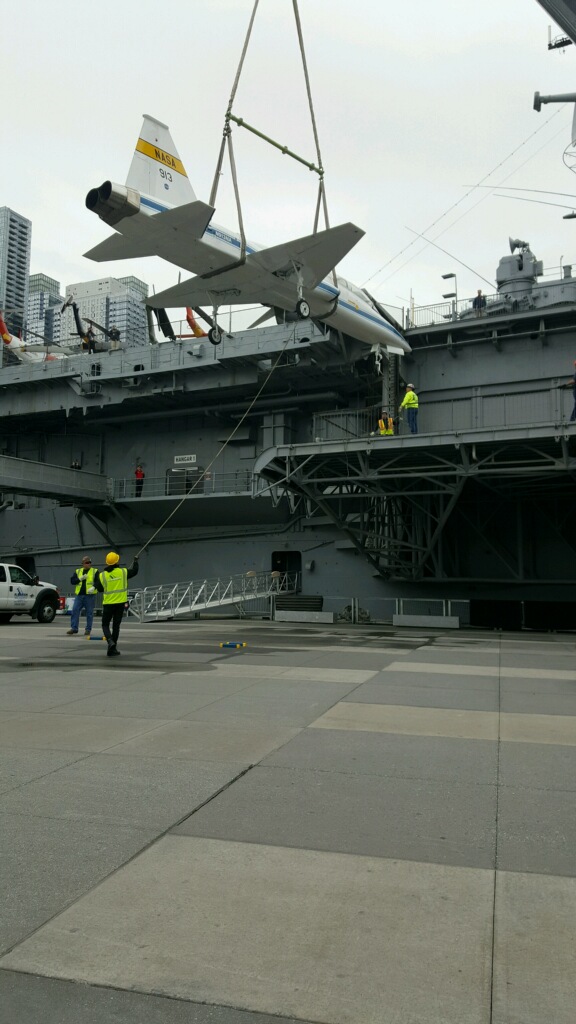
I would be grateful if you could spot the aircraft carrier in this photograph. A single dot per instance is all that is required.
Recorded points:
(263, 453)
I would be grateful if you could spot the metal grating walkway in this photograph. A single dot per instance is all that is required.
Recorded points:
(174, 600)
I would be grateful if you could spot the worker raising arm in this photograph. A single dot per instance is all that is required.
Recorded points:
(112, 582)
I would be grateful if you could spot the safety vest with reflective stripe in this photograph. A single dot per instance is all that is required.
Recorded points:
(410, 400)
(89, 577)
(386, 425)
(115, 584)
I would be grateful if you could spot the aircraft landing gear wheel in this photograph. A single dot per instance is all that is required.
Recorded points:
(303, 309)
(215, 335)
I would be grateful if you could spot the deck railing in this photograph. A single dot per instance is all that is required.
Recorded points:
(477, 410)
(172, 600)
(558, 292)
(182, 482)
(442, 312)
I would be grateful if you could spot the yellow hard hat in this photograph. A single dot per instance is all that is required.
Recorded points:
(112, 558)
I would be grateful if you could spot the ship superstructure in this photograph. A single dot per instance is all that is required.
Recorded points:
(271, 439)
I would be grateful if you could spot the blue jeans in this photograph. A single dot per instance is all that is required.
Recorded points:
(81, 601)
(412, 417)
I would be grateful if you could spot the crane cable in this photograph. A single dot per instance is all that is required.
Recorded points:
(227, 140)
(321, 189)
(227, 143)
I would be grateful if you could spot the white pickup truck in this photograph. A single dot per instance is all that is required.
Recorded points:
(21, 594)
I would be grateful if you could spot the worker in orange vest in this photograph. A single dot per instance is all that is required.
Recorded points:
(385, 425)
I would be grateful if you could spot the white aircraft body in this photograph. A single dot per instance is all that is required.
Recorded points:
(157, 214)
(26, 352)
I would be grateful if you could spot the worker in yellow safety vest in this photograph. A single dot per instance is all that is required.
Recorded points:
(85, 591)
(410, 403)
(112, 582)
(385, 425)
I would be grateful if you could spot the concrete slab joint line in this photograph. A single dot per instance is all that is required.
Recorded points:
(430, 721)
(308, 841)
(335, 920)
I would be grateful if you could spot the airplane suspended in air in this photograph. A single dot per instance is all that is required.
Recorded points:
(156, 213)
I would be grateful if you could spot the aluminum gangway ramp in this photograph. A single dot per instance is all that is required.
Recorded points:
(174, 600)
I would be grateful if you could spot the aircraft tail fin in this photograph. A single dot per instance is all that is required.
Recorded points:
(156, 169)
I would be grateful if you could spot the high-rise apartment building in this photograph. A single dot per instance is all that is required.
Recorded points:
(15, 239)
(110, 302)
(44, 304)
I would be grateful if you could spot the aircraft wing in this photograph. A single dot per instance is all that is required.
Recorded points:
(153, 236)
(230, 288)
(268, 274)
(118, 247)
(316, 255)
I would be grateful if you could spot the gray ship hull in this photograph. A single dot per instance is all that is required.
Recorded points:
(264, 453)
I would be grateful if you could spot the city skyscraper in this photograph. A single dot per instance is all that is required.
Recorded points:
(109, 302)
(15, 241)
(44, 302)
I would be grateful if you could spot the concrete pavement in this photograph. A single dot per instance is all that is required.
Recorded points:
(344, 825)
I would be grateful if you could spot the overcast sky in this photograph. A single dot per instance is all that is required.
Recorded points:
(416, 102)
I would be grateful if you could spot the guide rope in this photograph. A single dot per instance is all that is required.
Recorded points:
(224, 445)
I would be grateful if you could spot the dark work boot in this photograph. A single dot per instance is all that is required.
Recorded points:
(112, 652)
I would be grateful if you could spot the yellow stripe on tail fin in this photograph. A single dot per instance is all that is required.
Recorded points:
(157, 171)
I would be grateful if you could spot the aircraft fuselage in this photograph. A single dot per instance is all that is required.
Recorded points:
(341, 306)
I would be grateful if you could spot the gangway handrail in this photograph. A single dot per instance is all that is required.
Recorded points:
(168, 601)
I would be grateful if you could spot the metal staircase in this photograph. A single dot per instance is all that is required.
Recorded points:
(174, 600)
